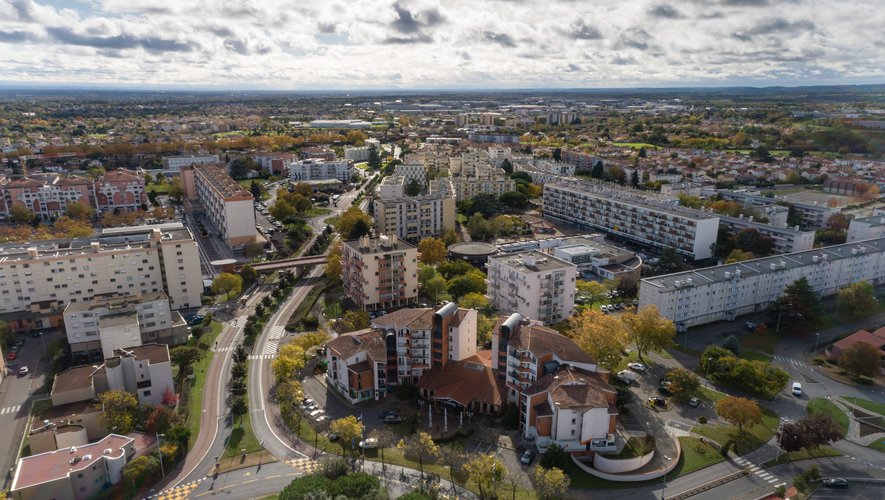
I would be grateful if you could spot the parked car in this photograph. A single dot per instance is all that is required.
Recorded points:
(797, 389)
(11, 356)
(14, 348)
(20, 342)
(527, 457)
(369, 444)
(393, 419)
(194, 319)
(655, 401)
(694, 402)
(835, 482)
(333, 436)
(36, 334)
(626, 377)
(750, 326)
(23, 371)
(637, 367)
(665, 390)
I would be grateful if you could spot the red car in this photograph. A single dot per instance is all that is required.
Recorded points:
(11, 356)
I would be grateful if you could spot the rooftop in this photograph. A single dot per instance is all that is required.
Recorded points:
(574, 388)
(368, 340)
(74, 378)
(155, 353)
(532, 261)
(221, 182)
(114, 301)
(118, 319)
(382, 244)
(541, 340)
(764, 265)
(874, 221)
(55, 465)
(464, 381)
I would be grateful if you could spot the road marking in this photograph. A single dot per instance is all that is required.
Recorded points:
(772, 480)
(790, 361)
(251, 481)
(10, 409)
(274, 476)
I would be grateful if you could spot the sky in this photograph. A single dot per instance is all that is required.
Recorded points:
(448, 44)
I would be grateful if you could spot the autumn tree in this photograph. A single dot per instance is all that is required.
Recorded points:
(474, 300)
(282, 210)
(648, 329)
(432, 250)
(739, 411)
(449, 237)
(79, 211)
(118, 410)
(683, 383)
(353, 223)
(861, 359)
(487, 471)
(348, 428)
(227, 284)
(140, 469)
(550, 483)
(20, 214)
(809, 433)
(601, 336)
(856, 297)
(353, 320)
(419, 446)
(304, 189)
(592, 290)
(334, 266)
(838, 222)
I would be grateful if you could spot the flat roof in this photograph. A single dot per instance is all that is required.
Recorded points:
(118, 319)
(74, 378)
(55, 465)
(221, 182)
(533, 260)
(381, 244)
(872, 221)
(114, 300)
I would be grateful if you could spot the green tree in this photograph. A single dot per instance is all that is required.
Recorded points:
(550, 483)
(592, 290)
(648, 329)
(474, 300)
(248, 274)
(478, 227)
(353, 223)
(857, 297)
(472, 282)
(239, 406)
(599, 335)
(304, 189)
(374, 158)
(349, 429)
(413, 188)
(183, 357)
(432, 250)
(227, 284)
(861, 359)
(175, 191)
(669, 262)
(255, 189)
(419, 446)
(514, 199)
(683, 383)
(334, 266)
(634, 178)
(20, 214)
(739, 412)
(118, 410)
(450, 237)
(140, 469)
(597, 170)
(353, 320)
(451, 268)
(798, 303)
(282, 210)
(435, 287)
(240, 168)
(79, 211)
(488, 472)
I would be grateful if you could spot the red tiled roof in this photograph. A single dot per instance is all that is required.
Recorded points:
(875, 339)
(574, 388)
(54, 465)
(541, 340)
(464, 381)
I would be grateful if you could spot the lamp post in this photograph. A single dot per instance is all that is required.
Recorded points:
(779, 438)
(261, 445)
(160, 451)
(667, 461)
(816, 341)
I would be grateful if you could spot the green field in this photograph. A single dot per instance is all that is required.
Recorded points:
(867, 404)
(635, 145)
(746, 441)
(159, 188)
(241, 436)
(228, 134)
(825, 406)
(696, 455)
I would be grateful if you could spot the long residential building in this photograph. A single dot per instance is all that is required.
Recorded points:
(39, 280)
(725, 292)
(865, 228)
(317, 170)
(631, 215)
(415, 217)
(812, 216)
(173, 164)
(211, 193)
(380, 272)
(786, 239)
(533, 284)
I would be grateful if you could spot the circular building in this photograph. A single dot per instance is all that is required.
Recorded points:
(475, 252)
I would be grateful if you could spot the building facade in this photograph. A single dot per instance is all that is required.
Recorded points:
(211, 193)
(415, 217)
(866, 228)
(725, 292)
(316, 170)
(812, 216)
(173, 164)
(380, 272)
(47, 199)
(786, 239)
(412, 172)
(533, 284)
(120, 191)
(631, 215)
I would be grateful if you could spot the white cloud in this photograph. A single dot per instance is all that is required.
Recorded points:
(456, 43)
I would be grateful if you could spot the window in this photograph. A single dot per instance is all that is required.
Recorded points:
(148, 393)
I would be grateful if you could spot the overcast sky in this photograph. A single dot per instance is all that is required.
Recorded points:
(353, 44)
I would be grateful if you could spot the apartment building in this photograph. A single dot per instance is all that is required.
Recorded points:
(73, 473)
(543, 171)
(427, 338)
(47, 198)
(590, 252)
(358, 365)
(562, 395)
(361, 153)
(473, 173)
(42, 278)
(212, 194)
(786, 239)
(313, 169)
(380, 272)
(725, 292)
(98, 327)
(412, 172)
(533, 284)
(392, 187)
(626, 213)
(142, 370)
(415, 217)
(812, 216)
(173, 164)
(273, 162)
(583, 162)
(120, 191)
(866, 228)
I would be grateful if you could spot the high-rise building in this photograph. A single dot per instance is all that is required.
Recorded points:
(211, 193)
(533, 284)
(866, 228)
(317, 170)
(416, 217)
(173, 164)
(380, 272)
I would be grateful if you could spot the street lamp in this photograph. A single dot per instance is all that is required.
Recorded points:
(816, 340)
(160, 451)
(667, 461)
(780, 437)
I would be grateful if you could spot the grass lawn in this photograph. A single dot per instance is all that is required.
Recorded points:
(711, 394)
(823, 405)
(867, 404)
(200, 367)
(686, 350)
(159, 188)
(878, 445)
(317, 211)
(695, 455)
(635, 447)
(793, 456)
(635, 145)
(241, 437)
(764, 342)
(746, 441)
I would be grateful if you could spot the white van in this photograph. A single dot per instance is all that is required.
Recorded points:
(797, 389)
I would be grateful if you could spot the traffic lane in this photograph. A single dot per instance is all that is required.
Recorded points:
(250, 482)
(855, 490)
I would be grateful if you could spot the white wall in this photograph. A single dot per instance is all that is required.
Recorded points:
(595, 424)
(240, 217)
(118, 337)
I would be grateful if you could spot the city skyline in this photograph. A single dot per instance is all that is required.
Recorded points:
(439, 45)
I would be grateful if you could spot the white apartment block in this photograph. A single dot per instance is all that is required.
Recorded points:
(786, 239)
(416, 217)
(590, 252)
(544, 171)
(725, 292)
(356, 153)
(631, 215)
(865, 228)
(174, 163)
(209, 191)
(381, 272)
(412, 172)
(43, 278)
(499, 153)
(812, 216)
(392, 187)
(495, 182)
(96, 328)
(533, 284)
(313, 169)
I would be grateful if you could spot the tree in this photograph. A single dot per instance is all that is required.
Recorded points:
(282, 210)
(413, 188)
(227, 284)
(255, 189)
(435, 287)
(557, 154)
(597, 170)
(451, 268)
(161, 419)
(248, 274)
(241, 167)
(820, 429)
(762, 154)
(601, 336)
(450, 237)
(738, 255)
(514, 199)
(175, 191)
(592, 290)
(550, 483)
(374, 160)
(140, 469)
(507, 166)
(474, 300)
(487, 471)
(118, 410)
(861, 359)
(20, 214)
(183, 356)
(421, 447)
(472, 282)
(79, 211)
(478, 227)
(732, 344)
(348, 428)
(353, 223)
(838, 222)
(634, 178)
(302, 204)
(669, 262)
(354, 320)
(334, 266)
(385, 439)
(555, 456)
(739, 411)
(648, 329)
(792, 437)
(798, 302)
(856, 297)
(432, 250)
(239, 406)
(683, 383)
(304, 189)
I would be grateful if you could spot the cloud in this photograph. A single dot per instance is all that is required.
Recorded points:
(775, 26)
(326, 28)
(580, 30)
(119, 42)
(502, 39)
(635, 38)
(17, 37)
(665, 11)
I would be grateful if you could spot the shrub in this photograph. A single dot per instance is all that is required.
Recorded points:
(554, 457)
(702, 419)
(335, 468)
(725, 447)
(310, 322)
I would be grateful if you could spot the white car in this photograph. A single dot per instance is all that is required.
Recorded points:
(369, 444)
(637, 367)
(797, 389)
(316, 413)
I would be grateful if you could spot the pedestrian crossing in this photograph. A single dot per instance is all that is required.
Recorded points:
(223, 349)
(179, 493)
(262, 356)
(755, 469)
(790, 361)
(305, 465)
(10, 410)
(273, 340)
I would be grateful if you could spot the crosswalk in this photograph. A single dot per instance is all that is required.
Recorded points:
(10, 410)
(273, 339)
(755, 469)
(262, 356)
(790, 361)
(178, 493)
(224, 349)
(305, 465)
